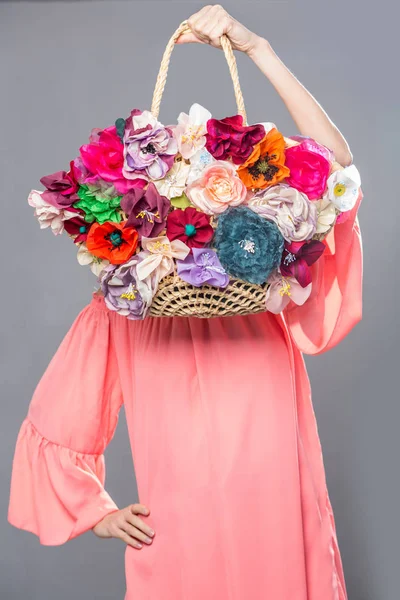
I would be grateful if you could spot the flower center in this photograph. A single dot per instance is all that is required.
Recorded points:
(130, 293)
(190, 229)
(192, 132)
(247, 245)
(146, 214)
(115, 238)
(150, 148)
(285, 289)
(339, 189)
(289, 258)
(263, 168)
(159, 246)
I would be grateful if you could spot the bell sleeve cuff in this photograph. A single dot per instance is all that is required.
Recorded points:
(58, 473)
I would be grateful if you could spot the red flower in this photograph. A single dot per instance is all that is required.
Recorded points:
(112, 241)
(189, 225)
(229, 138)
(77, 225)
(297, 258)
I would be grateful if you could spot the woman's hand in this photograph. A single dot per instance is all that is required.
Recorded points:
(209, 23)
(125, 525)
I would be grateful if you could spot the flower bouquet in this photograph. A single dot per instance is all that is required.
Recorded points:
(203, 217)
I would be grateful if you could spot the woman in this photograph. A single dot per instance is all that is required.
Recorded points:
(233, 497)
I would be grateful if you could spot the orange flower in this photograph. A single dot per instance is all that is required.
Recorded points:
(112, 241)
(266, 164)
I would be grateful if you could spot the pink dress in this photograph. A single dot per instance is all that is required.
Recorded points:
(223, 436)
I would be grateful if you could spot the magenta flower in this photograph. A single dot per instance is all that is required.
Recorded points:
(104, 158)
(309, 168)
(297, 258)
(229, 138)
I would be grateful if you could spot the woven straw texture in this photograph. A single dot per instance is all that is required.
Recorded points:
(175, 297)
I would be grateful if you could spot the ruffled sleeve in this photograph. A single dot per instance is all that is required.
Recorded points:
(335, 304)
(58, 473)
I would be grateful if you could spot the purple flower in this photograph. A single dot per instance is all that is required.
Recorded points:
(297, 258)
(149, 147)
(146, 209)
(202, 266)
(124, 292)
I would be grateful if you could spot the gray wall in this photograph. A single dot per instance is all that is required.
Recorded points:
(67, 67)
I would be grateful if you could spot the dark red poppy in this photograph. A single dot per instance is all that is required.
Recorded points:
(228, 137)
(77, 225)
(297, 258)
(189, 225)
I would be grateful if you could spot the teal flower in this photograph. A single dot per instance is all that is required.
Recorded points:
(249, 247)
(99, 204)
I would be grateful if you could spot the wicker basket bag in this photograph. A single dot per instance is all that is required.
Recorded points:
(141, 227)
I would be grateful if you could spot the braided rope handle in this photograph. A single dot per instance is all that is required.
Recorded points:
(230, 59)
(162, 74)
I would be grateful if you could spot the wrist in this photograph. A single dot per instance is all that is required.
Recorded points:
(259, 47)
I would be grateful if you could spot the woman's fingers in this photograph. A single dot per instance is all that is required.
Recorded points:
(131, 541)
(189, 38)
(126, 525)
(138, 509)
(140, 524)
(136, 533)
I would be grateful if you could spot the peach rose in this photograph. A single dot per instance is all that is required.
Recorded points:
(217, 188)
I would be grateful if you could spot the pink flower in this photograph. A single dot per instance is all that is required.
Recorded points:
(282, 290)
(309, 168)
(104, 158)
(217, 188)
(47, 214)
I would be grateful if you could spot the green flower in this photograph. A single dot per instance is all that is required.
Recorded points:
(99, 204)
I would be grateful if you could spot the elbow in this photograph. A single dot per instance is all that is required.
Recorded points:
(345, 159)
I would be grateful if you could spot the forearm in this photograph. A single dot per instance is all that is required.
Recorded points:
(309, 116)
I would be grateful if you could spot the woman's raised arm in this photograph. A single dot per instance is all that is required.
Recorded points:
(212, 21)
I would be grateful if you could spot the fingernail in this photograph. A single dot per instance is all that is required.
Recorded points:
(151, 532)
(139, 545)
(148, 540)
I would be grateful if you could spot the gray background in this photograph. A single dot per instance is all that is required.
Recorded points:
(70, 66)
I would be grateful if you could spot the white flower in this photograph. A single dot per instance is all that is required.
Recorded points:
(343, 187)
(174, 182)
(144, 119)
(198, 163)
(191, 129)
(47, 214)
(86, 258)
(326, 215)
